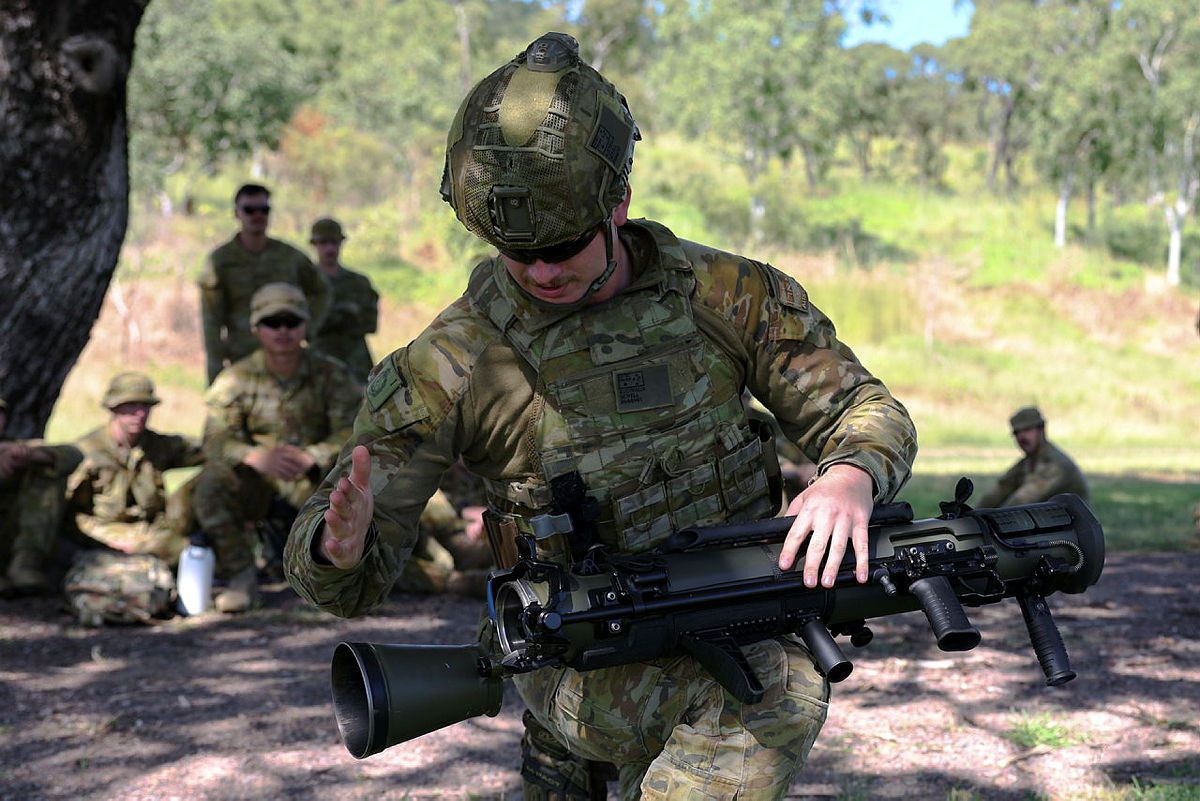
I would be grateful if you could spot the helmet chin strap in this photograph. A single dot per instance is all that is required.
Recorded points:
(602, 279)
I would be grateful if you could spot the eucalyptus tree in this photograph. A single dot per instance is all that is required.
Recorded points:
(215, 81)
(865, 93)
(743, 74)
(65, 64)
(1077, 102)
(1002, 57)
(1158, 40)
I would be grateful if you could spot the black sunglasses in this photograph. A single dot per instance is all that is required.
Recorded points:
(281, 321)
(555, 254)
(256, 209)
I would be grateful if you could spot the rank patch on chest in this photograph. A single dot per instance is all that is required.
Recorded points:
(643, 388)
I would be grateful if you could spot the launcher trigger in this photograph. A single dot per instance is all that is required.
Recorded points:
(722, 657)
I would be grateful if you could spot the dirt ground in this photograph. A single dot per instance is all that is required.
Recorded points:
(237, 707)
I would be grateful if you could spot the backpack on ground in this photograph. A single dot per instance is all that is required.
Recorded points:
(112, 587)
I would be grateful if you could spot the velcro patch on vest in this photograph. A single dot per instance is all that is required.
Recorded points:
(610, 137)
(788, 291)
(643, 388)
(383, 384)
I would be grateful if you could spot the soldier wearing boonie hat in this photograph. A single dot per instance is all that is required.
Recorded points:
(603, 351)
(1045, 470)
(129, 388)
(117, 495)
(353, 307)
(278, 298)
(276, 420)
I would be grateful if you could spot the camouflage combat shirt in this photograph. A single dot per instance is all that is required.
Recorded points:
(462, 389)
(230, 278)
(115, 485)
(1038, 477)
(353, 313)
(251, 407)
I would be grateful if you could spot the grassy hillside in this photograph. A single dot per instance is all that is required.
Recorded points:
(959, 301)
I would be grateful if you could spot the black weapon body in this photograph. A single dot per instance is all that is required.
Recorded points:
(707, 591)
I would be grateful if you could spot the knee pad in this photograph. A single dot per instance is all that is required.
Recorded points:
(549, 772)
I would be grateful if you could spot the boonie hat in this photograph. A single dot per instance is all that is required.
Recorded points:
(327, 229)
(278, 298)
(129, 388)
(1027, 417)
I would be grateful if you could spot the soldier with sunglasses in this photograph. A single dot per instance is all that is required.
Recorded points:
(240, 266)
(276, 420)
(604, 352)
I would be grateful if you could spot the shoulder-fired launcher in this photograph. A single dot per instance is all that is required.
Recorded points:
(707, 591)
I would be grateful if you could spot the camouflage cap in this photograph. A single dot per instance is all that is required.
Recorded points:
(540, 150)
(326, 229)
(277, 298)
(129, 388)
(1026, 417)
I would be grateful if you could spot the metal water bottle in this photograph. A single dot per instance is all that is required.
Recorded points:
(195, 579)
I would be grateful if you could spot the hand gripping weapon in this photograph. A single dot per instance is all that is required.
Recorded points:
(708, 590)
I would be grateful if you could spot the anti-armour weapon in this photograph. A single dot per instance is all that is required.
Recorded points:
(706, 591)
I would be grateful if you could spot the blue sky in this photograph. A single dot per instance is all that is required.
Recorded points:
(912, 21)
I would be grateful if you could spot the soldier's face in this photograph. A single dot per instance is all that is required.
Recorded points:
(281, 334)
(131, 418)
(328, 251)
(567, 281)
(253, 212)
(1028, 439)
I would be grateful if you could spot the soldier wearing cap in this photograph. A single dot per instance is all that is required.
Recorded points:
(117, 494)
(236, 269)
(354, 305)
(275, 422)
(33, 482)
(599, 350)
(1044, 472)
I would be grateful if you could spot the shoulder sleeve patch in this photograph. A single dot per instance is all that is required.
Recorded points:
(383, 384)
(787, 290)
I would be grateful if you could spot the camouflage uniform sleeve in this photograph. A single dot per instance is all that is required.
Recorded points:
(407, 422)
(824, 399)
(226, 421)
(369, 303)
(1047, 479)
(316, 289)
(212, 316)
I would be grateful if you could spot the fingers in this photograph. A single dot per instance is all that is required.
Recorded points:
(360, 468)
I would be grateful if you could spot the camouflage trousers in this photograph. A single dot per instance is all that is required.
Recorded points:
(165, 536)
(32, 509)
(228, 500)
(674, 733)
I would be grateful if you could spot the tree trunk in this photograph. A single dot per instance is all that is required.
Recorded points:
(1060, 211)
(63, 71)
(1175, 249)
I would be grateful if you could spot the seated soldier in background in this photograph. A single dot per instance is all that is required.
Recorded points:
(451, 555)
(354, 308)
(276, 421)
(33, 480)
(1043, 473)
(117, 494)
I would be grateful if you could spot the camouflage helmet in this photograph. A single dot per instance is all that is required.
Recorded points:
(540, 150)
(129, 388)
(1026, 417)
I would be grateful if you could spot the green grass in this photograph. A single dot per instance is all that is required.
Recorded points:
(1042, 730)
(1137, 512)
